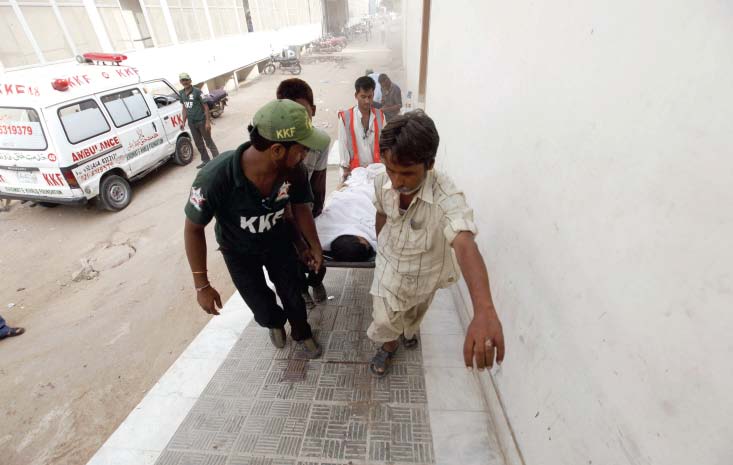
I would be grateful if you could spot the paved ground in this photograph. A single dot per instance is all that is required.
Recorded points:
(270, 406)
(230, 398)
(94, 348)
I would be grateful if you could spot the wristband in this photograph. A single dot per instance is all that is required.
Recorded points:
(199, 272)
(199, 289)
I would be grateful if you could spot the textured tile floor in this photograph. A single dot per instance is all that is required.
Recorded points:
(266, 406)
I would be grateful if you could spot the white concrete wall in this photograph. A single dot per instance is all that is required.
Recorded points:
(593, 140)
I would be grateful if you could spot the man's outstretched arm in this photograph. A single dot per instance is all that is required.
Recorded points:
(484, 337)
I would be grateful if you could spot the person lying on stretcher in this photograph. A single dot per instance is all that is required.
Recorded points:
(346, 225)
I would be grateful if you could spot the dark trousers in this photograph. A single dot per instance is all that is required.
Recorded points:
(282, 268)
(201, 135)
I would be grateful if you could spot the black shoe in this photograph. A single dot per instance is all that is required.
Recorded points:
(277, 336)
(311, 348)
(201, 165)
(309, 304)
(319, 293)
(409, 343)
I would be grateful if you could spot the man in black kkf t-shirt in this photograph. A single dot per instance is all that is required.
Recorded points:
(249, 190)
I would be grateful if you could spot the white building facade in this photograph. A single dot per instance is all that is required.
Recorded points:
(38, 32)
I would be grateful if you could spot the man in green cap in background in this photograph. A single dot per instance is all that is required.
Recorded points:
(249, 190)
(196, 111)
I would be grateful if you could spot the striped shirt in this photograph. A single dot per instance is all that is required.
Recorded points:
(414, 253)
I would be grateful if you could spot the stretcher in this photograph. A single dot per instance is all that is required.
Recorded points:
(331, 263)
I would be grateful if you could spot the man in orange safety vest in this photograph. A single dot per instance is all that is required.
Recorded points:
(359, 129)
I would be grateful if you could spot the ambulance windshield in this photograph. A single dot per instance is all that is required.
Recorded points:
(20, 129)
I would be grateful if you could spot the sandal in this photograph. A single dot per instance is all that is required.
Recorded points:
(381, 362)
(409, 343)
(14, 332)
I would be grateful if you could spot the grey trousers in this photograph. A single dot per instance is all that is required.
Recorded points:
(201, 135)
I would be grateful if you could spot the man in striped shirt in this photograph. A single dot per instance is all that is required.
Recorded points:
(425, 239)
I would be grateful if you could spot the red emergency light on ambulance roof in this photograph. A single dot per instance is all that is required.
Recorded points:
(113, 57)
(60, 84)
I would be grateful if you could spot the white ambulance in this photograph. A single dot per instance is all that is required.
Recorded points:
(72, 132)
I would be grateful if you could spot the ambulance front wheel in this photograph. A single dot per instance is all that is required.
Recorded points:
(184, 151)
(115, 193)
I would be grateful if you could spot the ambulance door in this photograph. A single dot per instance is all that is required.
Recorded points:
(169, 107)
(88, 145)
(139, 132)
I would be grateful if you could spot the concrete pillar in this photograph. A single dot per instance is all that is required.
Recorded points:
(169, 21)
(208, 19)
(98, 26)
(27, 30)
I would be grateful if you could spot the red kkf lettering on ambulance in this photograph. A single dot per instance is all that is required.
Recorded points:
(176, 120)
(53, 179)
(18, 89)
(78, 80)
(106, 145)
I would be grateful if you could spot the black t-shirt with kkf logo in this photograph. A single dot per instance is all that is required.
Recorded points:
(246, 222)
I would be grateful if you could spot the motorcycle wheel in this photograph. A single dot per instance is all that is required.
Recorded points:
(339, 47)
(295, 69)
(270, 68)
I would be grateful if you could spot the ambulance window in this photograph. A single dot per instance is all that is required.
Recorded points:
(82, 120)
(126, 107)
(162, 92)
(20, 129)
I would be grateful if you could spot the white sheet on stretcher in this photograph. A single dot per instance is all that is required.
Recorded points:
(350, 210)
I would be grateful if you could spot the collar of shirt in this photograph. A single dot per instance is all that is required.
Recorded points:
(425, 193)
(357, 117)
(241, 181)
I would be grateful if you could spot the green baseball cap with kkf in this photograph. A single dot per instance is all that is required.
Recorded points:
(287, 121)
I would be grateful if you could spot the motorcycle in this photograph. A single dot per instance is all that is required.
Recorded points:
(341, 39)
(216, 100)
(290, 64)
(328, 45)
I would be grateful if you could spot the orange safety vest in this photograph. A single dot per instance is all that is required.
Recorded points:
(348, 119)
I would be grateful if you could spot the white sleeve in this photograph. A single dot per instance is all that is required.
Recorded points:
(344, 156)
(322, 159)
